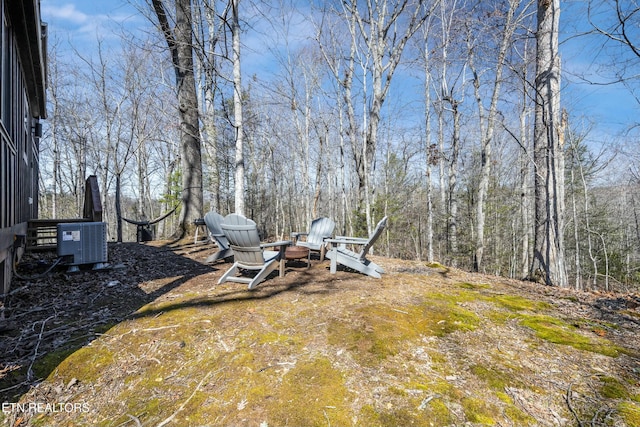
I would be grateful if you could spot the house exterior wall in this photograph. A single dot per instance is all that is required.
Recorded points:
(22, 106)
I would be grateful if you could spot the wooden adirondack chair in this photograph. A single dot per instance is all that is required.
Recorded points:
(213, 220)
(339, 254)
(321, 228)
(249, 253)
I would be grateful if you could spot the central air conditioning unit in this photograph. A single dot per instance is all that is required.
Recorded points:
(83, 242)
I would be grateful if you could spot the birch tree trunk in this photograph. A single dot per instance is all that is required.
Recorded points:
(574, 211)
(209, 25)
(82, 173)
(446, 15)
(237, 107)
(525, 187)
(429, 147)
(488, 127)
(548, 263)
(118, 207)
(453, 182)
(54, 116)
(386, 29)
(342, 72)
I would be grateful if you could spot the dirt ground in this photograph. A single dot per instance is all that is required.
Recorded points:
(68, 310)
(322, 316)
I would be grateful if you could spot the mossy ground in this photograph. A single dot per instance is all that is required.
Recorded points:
(434, 347)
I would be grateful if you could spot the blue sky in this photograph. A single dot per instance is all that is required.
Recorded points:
(610, 108)
(82, 22)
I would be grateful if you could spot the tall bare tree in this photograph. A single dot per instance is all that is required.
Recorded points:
(430, 148)
(237, 107)
(508, 21)
(209, 34)
(386, 27)
(450, 88)
(548, 257)
(179, 41)
(341, 67)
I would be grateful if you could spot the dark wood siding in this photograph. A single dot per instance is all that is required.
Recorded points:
(21, 107)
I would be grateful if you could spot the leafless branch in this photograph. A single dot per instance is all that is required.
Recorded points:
(186, 402)
(567, 399)
(35, 352)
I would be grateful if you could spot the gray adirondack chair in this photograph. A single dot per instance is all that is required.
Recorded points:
(321, 229)
(249, 253)
(213, 220)
(339, 254)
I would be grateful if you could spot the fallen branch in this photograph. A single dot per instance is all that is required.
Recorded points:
(567, 399)
(608, 412)
(158, 328)
(426, 400)
(132, 418)
(186, 402)
(35, 352)
(135, 420)
(23, 383)
(13, 292)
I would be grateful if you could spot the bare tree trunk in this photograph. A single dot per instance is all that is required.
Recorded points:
(587, 225)
(453, 180)
(55, 115)
(237, 106)
(323, 137)
(118, 208)
(488, 128)
(179, 41)
(210, 36)
(345, 83)
(429, 148)
(576, 236)
(525, 171)
(385, 40)
(143, 188)
(82, 175)
(525, 198)
(56, 167)
(446, 18)
(548, 263)
(344, 205)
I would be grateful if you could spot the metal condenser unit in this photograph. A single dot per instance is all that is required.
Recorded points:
(86, 242)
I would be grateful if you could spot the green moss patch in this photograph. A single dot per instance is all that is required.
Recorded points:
(51, 360)
(496, 379)
(518, 417)
(376, 332)
(435, 386)
(311, 394)
(479, 411)
(434, 414)
(557, 331)
(611, 388)
(474, 286)
(436, 265)
(630, 413)
(86, 364)
(517, 303)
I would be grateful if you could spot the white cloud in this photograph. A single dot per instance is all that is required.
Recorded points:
(64, 12)
(81, 23)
